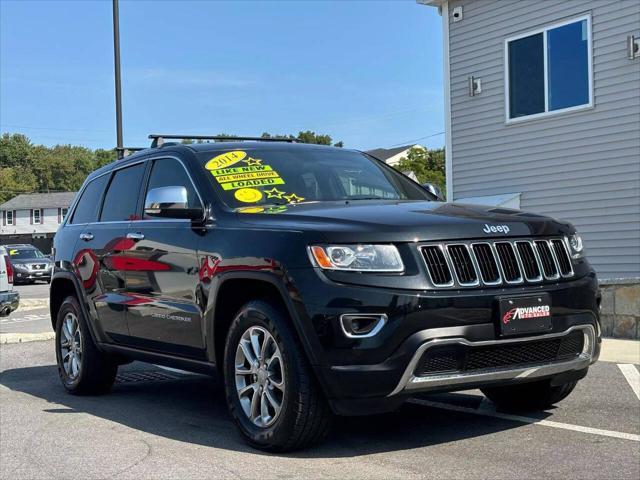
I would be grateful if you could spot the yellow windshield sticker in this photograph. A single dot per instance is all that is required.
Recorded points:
(246, 176)
(250, 209)
(252, 161)
(274, 193)
(228, 171)
(226, 159)
(293, 198)
(13, 252)
(248, 195)
(252, 183)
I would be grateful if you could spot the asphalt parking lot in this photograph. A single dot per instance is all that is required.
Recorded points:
(161, 424)
(32, 316)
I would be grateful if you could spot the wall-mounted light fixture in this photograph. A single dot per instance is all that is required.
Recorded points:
(633, 44)
(475, 86)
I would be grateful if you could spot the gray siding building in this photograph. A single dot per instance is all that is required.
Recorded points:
(542, 104)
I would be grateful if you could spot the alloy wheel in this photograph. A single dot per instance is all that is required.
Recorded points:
(71, 346)
(259, 375)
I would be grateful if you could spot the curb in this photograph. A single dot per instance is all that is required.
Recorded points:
(26, 337)
(34, 302)
(620, 351)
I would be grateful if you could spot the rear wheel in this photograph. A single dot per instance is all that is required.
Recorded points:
(271, 392)
(83, 369)
(529, 396)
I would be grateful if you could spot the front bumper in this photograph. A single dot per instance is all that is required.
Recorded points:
(9, 302)
(412, 382)
(373, 374)
(30, 275)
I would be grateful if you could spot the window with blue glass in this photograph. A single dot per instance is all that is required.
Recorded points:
(549, 70)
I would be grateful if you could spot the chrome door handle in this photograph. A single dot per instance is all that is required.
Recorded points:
(86, 236)
(135, 236)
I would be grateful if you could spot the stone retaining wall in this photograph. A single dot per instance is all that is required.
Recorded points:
(620, 312)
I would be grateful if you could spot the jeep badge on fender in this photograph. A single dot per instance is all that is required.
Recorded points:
(316, 281)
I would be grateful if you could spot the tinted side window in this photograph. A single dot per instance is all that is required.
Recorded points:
(169, 173)
(122, 196)
(87, 209)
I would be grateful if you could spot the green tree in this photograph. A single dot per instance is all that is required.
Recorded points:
(14, 150)
(311, 137)
(15, 180)
(104, 157)
(428, 165)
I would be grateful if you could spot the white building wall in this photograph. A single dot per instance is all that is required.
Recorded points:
(22, 223)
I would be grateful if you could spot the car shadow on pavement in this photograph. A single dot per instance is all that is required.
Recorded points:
(192, 409)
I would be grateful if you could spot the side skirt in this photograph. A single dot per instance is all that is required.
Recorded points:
(195, 366)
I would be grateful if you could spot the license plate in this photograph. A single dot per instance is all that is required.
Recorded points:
(525, 314)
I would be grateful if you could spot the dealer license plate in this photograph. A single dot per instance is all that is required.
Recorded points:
(525, 314)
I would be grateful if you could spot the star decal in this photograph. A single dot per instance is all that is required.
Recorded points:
(293, 198)
(274, 193)
(252, 161)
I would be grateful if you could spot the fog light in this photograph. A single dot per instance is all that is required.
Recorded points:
(362, 325)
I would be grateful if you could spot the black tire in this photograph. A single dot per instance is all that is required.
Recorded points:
(305, 417)
(529, 396)
(97, 372)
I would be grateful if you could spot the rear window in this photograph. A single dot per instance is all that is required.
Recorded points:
(255, 177)
(87, 209)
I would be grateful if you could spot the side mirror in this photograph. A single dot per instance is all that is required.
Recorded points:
(170, 202)
(434, 190)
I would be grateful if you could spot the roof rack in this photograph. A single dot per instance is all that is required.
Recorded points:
(123, 152)
(159, 139)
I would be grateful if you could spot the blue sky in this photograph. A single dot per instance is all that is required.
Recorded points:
(365, 72)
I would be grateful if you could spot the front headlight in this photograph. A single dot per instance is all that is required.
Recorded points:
(365, 258)
(576, 246)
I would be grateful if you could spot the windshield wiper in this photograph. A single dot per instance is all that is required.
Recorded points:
(365, 197)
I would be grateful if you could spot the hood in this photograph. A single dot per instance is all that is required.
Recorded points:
(395, 221)
(23, 261)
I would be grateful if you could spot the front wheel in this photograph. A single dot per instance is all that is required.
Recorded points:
(529, 396)
(271, 392)
(83, 369)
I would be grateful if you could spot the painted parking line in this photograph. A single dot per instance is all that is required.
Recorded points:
(25, 318)
(518, 418)
(632, 375)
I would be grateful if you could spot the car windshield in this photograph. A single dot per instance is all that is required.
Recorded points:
(278, 176)
(25, 253)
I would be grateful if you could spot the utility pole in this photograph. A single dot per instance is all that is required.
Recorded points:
(116, 60)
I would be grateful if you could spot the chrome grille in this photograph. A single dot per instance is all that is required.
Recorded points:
(462, 265)
(437, 265)
(530, 265)
(487, 263)
(496, 262)
(562, 257)
(509, 262)
(546, 257)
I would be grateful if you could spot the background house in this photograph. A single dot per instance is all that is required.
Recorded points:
(542, 105)
(391, 156)
(34, 218)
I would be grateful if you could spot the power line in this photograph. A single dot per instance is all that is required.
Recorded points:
(416, 139)
(25, 127)
(33, 191)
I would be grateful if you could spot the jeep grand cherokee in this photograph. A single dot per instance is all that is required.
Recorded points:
(318, 281)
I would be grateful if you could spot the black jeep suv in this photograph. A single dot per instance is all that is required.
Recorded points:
(317, 281)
